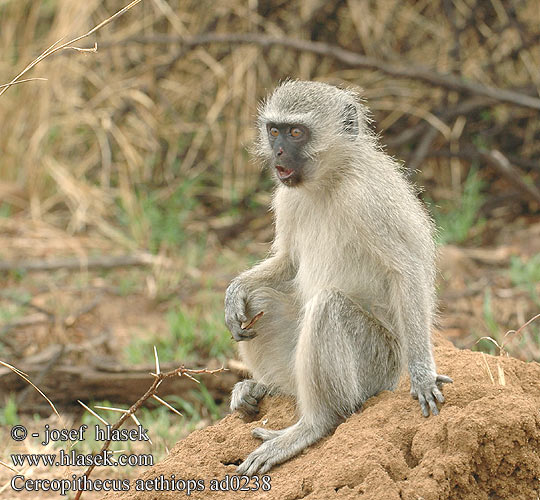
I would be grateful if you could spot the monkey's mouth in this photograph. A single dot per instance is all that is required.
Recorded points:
(284, 173)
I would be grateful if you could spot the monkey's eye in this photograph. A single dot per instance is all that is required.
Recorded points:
(274, 132)
(296, 132)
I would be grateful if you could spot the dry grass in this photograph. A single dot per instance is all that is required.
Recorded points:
(142, 111)
(87, 155)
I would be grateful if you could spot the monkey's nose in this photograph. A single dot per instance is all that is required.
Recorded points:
(280, 152)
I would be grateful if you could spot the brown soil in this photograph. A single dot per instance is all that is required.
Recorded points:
(485, 444)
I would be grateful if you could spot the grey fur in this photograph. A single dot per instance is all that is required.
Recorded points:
(348, 291)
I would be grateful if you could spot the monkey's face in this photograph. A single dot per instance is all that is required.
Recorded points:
(288, 142)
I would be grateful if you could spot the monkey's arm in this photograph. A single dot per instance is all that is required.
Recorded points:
(413, 317)
(273, 272)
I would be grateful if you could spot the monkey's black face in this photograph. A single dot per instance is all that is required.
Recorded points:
(288, 143)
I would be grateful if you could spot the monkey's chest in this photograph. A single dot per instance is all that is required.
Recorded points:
(329, 260)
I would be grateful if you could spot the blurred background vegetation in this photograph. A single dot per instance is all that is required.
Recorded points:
(139, 151)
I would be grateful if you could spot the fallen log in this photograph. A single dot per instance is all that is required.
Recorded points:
(66, 383)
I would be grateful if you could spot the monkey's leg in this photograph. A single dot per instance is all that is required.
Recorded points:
(246, 395)
(270, 354)
(343, 357)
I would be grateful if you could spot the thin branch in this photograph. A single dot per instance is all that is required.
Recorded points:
(444, 114)
(25, 377)
(498, 161)
(23, 81)
(26, 303)
(9, 467)
(349, 58)
(164, 403)
(23, 395)
(87, 408)
(522, 327)
(158, 378)
(56, 48)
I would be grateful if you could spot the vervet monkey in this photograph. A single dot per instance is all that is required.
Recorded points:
(348, 290)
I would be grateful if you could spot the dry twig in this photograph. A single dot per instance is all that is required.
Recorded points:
(252, 321)
(25, 377)
(498, 161)
(150, 393)
(67, 45)
(501, 346)
(522, 327)
(349, 58)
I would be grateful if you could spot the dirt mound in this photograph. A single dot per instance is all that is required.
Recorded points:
(485, 444)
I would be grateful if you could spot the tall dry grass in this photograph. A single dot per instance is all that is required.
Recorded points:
(143, 111)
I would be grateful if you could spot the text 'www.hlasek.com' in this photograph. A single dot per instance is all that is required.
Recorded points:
(107, 458)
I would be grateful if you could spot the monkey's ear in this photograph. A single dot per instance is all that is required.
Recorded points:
(350, 120)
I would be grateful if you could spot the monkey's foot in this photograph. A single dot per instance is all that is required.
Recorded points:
(266, 434)
(270, 453)
(429, 393)
(246, 395)
(280, 448)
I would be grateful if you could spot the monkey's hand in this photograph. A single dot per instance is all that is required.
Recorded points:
(235, 312)
(246, 395)
(428, 392)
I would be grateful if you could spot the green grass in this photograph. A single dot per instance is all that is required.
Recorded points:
(494, 331)
(526, 275)
(8, 412)
(156, 220)
(128, 284)
(516, 345)
(192, 334)
(15, 307)
(456, 218)
(5, 209)
(208, 403)
(489, 317)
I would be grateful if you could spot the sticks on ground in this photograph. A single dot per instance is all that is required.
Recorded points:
(159, 377)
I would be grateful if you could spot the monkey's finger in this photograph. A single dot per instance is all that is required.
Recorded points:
(250, 400)
(250, 465)
(266, 467)
(241, 316)
(247, 334)
(262, 464)
(240, 335)
(438, 395)
(249, 405)
(248, 409)
(423, 405)
(443, 379)
(232, 323)
(265, 434)
(433, 406)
